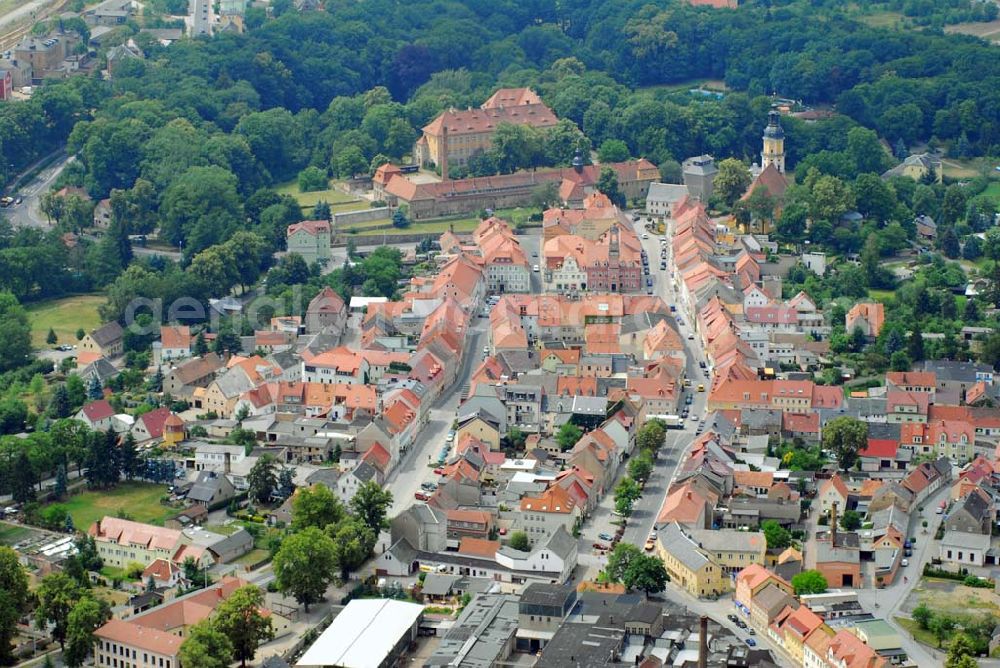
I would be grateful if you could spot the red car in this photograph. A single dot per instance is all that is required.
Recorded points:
(438, 472)
(601, 546)
(420, 496)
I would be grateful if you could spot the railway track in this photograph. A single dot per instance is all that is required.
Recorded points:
(10, 39)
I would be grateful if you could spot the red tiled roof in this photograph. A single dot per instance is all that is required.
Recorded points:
(312, 227)
(881, 448)
(154, 421)
(800, 423)
(98, 410)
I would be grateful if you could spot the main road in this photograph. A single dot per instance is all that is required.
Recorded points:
(28, 213)
(677, 442)
(413, 470)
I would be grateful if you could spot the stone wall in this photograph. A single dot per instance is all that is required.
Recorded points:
(348, 218)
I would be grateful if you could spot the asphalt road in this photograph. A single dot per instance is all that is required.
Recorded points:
(673, 452)
(28, 213)
(532, 246)
(413, 470)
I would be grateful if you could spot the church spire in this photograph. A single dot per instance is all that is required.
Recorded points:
(774, 143)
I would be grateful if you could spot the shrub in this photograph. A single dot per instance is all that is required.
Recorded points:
(312, 179)
(978, 583)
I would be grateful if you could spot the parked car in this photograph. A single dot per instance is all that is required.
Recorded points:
(605, 536)
(601, 547)
(751, 642)
(904, 562)
(751, 632)
(731, 617)
(420, 496)
(438, 472)
(740, 623)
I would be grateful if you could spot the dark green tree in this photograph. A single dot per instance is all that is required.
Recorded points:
(370, 504)
(809, 582)
(241, 618)
(915, 345)
(845, 437)
(607, 183)
(263, 479)
(305, 565)
(519, 541)
(88, 615)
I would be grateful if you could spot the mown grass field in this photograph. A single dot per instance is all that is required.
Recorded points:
(333, 195)
(11, 534)
(433, 227)
(986, 30)
(993, 191)
(64, 316)
(437, 226)
(141, 501)
(883, 19)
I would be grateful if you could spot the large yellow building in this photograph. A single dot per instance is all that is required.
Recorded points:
(688, 565)
(466, 132)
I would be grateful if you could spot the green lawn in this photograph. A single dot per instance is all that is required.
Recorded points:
(307, 200)
(880, 295)
(439, 225)
(885, 19)
(252, 557)
(432, 227)
(64, 316)
(224, 529)
(141, 501)
(920, 635)
(993, 191)
(11, 534)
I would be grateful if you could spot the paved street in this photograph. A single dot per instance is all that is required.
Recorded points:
(532, 245)
(413, 470)
(27, 213)
(672, 453)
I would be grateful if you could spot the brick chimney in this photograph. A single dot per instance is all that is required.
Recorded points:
(833, 525)
(703, 644)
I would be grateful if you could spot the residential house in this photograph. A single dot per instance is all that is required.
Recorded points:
(326, 312)
(105, 340)
(175, 342)
(310, 239)
(482, 426)
(96, 415)
(731, 550)
(340, 365)
(917, 167)
(866, 316)
(212, 490)
(973, 514)
(961, 550)
(542, 515)
(181, 380)
(687, 564)
(149, 426)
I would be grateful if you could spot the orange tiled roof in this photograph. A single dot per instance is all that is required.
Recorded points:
(553, 500)
(478, 547)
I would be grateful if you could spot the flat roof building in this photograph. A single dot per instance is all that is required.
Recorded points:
(368, 633)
